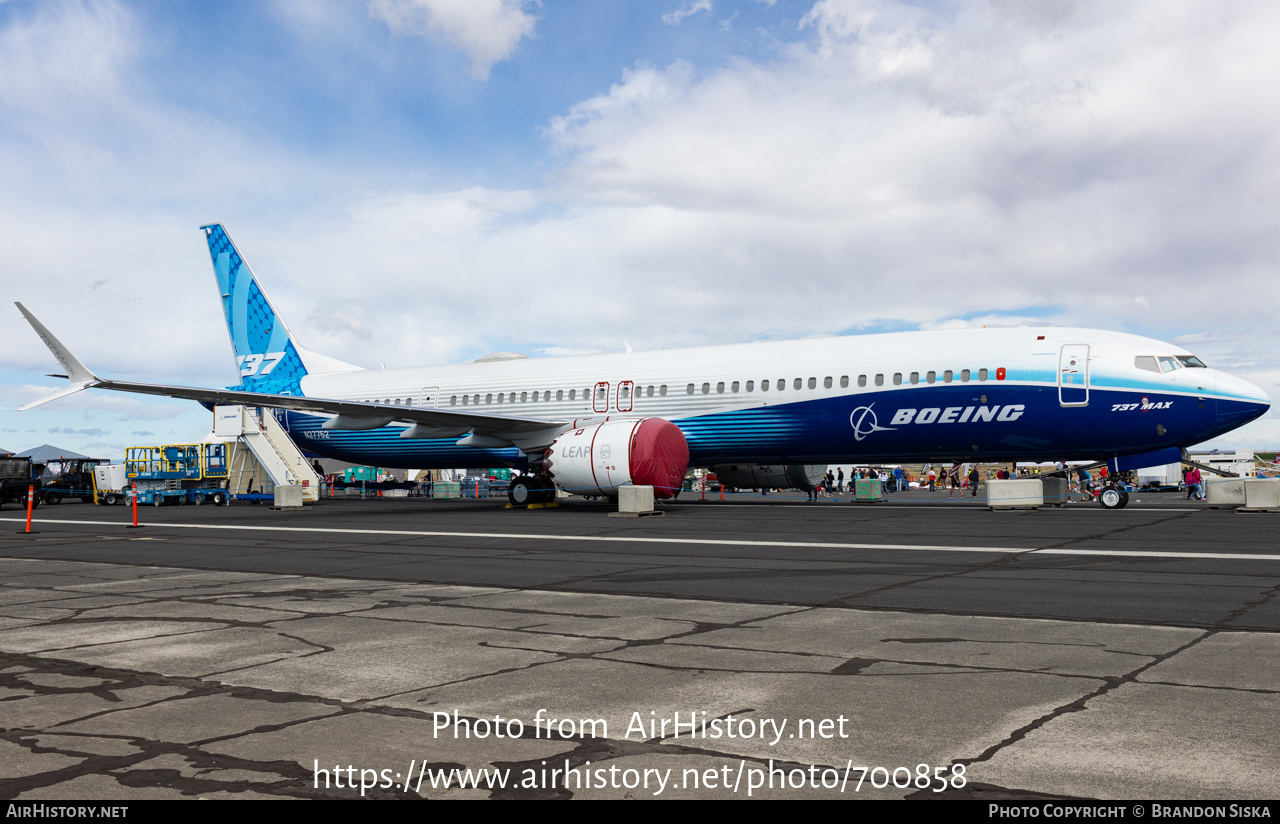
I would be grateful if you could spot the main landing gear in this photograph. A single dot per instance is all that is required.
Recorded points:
(531, 489)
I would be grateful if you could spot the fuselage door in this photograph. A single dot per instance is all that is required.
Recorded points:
(1073, 374)
(625, 390)
(600, 401)
(427, 397)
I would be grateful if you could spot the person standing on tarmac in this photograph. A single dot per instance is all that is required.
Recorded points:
(973, 481)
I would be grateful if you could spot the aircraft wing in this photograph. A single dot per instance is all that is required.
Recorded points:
(354, 410)
(352, 414)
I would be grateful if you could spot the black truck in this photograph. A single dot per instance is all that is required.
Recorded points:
(15, 479)
(75, 480)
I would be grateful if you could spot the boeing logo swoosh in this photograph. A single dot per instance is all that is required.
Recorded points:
(864, 422)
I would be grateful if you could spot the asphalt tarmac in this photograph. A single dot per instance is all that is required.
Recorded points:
(237, 652)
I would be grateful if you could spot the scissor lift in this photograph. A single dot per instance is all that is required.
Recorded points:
(178, 473)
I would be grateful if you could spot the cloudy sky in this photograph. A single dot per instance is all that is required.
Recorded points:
(424, 181)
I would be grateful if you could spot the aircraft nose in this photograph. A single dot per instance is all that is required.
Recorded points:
(1239, 401)
(1241, 389)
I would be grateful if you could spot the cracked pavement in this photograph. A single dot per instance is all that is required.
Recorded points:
(126, 680)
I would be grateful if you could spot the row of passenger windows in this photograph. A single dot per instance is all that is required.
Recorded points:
(545, 396)
(948, 376)
(779, 385)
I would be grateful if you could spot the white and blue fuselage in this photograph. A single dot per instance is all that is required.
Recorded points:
(983, 394)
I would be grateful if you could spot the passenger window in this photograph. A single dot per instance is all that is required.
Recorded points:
(735, 386)
(764, 386)
(499, 397)
(946, 376)
(573, 394)
(826, 382)
(559, 394)
(662, 390)
(453, 400)
(488, 398)
(719, 388)
(897, 379)
(799, 383)
(649, 392)
(751, 386)
(781, 384)
(931, 377)
(915, 378)
(844, 381)
(982, 374)
(880, 380)
(524, 396)
(813, 383)
(706, 388)
(964, 375)
(862, 380)
(464, 400)
(688, 390)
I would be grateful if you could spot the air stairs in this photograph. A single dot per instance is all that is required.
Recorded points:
(263, 455)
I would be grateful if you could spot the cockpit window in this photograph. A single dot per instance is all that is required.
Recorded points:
(1146, 362)
(1168, 363)
(1192, 360)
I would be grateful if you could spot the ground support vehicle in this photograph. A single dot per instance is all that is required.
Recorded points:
(15, 480)
(178, 473)
(75, 479)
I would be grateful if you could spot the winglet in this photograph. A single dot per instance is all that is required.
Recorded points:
(77, 372)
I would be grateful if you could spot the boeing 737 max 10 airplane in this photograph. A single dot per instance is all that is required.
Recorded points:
(778, 411)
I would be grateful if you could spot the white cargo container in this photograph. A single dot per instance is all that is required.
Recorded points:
(1019, 493)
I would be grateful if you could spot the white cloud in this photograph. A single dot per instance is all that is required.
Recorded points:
(690, 8)
(487, 31)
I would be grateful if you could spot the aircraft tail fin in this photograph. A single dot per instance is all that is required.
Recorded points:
(267, 356)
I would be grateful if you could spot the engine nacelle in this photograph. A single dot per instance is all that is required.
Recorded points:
(755, 476)
(598, 459)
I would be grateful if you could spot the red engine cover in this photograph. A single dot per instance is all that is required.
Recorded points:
(600, 459)
(659, 457)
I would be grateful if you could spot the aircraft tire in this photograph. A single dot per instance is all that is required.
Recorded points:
(522, 491)
(1112, 498)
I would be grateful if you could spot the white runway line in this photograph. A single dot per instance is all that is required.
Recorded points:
(526, 536)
